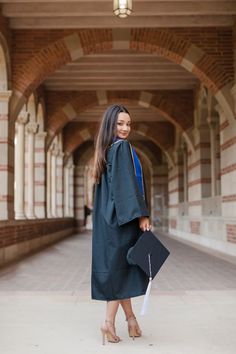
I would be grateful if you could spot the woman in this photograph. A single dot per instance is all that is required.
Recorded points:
(120, 216)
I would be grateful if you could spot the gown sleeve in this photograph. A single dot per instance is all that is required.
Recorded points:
(129, 202)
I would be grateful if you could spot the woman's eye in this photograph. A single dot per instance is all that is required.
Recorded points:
(120, 124)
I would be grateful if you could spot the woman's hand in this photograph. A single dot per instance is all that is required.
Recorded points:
(144, 223)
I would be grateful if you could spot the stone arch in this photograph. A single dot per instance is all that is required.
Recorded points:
(74, 137)
(163, 103)
(161, 42)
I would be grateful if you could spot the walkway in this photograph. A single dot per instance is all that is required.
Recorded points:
(45, 304)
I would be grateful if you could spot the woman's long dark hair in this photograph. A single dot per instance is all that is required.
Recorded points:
(105, 137)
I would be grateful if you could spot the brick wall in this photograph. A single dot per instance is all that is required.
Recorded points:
(173, 223)
(195, 227)
(231, 232)
(216, 42)
(19, 231)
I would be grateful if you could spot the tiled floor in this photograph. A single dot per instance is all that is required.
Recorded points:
(45, 304)
(65, 266)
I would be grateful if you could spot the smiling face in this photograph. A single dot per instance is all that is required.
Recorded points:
(123, 125)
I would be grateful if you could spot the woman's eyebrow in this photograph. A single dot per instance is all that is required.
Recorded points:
(122, 121)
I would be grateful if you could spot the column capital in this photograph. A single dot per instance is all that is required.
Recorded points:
(220, 110)
(61, 154)
(55, 151)
(177, 154)
(41, 135)
(212, 122)
(5, 95)
(201, 126)
(32, 127)
(184, 147)
(23, 118)
(70, 165)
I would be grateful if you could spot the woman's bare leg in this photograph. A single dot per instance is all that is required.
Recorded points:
(108, 327)
(111, 310)
(127, 307)
(133, 327)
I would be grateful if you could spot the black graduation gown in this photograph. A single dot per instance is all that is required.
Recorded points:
(118, 203)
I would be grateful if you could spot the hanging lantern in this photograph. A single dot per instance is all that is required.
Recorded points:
(122, 8)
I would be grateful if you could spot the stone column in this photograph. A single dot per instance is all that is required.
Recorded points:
(233, 90)
(79, 195)
(199, 171)
(32, 129)
(175, 176)
(54, 182)
(40, 178)
(6, 159)
(159, 199)
(66, 192)
(175, 189)
(176, 184)
(218, 158)
(49, 183)
(89, 184)
(212, 125)
(20, 166)
(228, 170)
(71, 190)
(59, 187)
(185, 172)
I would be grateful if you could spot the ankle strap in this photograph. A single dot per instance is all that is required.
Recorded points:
(130, 317)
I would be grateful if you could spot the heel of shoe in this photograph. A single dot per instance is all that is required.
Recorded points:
(132, 333)
(133, 327)
(103, 336)
(107, 334)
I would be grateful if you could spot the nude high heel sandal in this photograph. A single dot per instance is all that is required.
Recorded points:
(133, 327)
(108, 331)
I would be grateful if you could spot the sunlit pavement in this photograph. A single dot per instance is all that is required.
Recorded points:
(45, 304)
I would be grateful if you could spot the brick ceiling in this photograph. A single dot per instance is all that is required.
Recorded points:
(119, 69)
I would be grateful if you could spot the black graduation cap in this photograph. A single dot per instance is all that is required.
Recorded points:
(149, 254)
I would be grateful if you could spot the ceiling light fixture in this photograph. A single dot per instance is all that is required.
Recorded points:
(122, 8)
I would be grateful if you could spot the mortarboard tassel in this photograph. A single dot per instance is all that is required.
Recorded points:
(146, 297)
